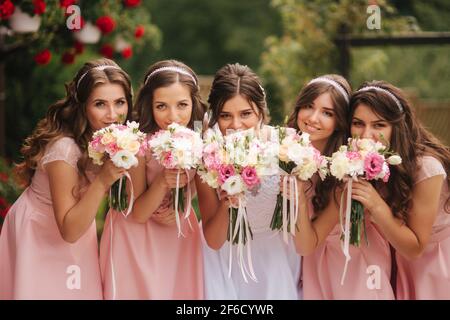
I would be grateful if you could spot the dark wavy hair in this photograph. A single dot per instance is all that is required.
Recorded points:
(67, 117)
(232, 80)
(409, 139)
(307, 95)
(144, 110)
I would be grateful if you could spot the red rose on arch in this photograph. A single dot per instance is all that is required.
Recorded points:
(106, 24)
(66, 3)
(127, 52)
(39, 6)
(139, 32)
(107, 51)
(43, 57)
(68, 58)
(79, 47)
(6, 9)
(131, 3)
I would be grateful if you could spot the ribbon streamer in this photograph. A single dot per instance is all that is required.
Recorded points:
(242, 230)
(125, 214)
(187, 210)
(346, 229)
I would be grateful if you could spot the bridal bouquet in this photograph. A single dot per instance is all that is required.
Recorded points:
(180, 148)
(297, 159)
(121, 143)
(235, 163)
(366, 159)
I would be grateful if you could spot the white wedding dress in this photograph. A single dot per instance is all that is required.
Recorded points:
(276, 264)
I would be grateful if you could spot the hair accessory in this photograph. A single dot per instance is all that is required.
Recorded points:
(171, 68)
(100, 68)
(263, 91)
(336, 85)
(390, 94)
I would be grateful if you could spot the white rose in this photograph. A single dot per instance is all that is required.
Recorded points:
(394, 160)
(132, 125)
(356, 167)
(124, 159)
(306, 171)
(295, 153)
(210, 178)
(233, 185)
(339, 166)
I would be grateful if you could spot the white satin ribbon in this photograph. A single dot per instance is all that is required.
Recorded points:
(130, 205)
(177, 215)
(187, 210)
(243, 227)
(128, 211)
(346, 229)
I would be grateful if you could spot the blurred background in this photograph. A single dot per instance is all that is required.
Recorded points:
(287, 42)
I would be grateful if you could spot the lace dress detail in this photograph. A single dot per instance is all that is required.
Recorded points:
(64, 149)
(260, 207)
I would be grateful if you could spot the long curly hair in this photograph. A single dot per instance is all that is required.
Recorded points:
(409, 138)
(165, 78)
(67, 117)
(236, 79)
(310, 92)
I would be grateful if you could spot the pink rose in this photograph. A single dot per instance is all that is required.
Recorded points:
(373, 165)
(212, 161)
(97, 145)
(353, 155)
(167, 160)
(226, 171)
(250, 177)
(112, 149)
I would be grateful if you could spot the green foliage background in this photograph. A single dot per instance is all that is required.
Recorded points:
(287, 42)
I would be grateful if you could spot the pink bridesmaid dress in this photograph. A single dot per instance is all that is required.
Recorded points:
(428, 277)
(150, 261)
(35, 261)
(368, 272)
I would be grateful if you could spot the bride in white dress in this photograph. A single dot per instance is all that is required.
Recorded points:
(237, 102)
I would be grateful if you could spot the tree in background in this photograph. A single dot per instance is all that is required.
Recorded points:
(424, 69)
(38, 37)
(208, 34)
(306, 48)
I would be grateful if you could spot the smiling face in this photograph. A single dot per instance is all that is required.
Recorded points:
(106, 105)
(367, 124)
(172, 104)
(238, 114)
(318, 120)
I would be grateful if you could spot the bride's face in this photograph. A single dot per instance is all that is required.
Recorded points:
(238, 114)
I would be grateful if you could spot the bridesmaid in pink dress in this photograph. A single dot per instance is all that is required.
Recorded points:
(141, 256)
(412, 209)
(322, 110)
(48, 245)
